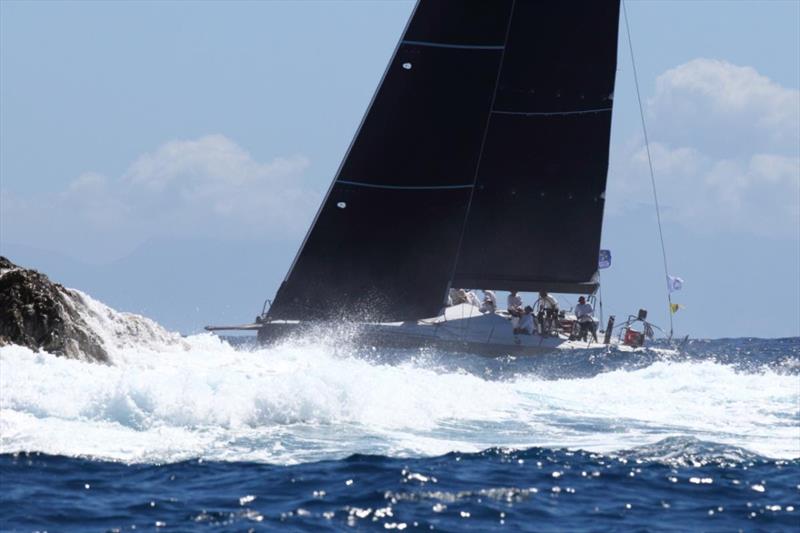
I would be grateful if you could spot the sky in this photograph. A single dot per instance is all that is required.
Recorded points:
(168, 157)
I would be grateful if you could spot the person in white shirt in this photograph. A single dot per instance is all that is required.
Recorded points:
(462, 296)
(472, 298)
(586, 325)
(515, 309)
(489, 304)
(548, 313)
(525, 326)
(546, 301)
(457, 296)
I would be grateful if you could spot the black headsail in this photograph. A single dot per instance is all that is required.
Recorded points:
(444, 173)
(536, 213)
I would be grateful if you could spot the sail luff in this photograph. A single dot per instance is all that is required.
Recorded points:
(349, 147)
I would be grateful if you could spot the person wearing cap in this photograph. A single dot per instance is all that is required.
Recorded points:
(548, 312)
(586, 325)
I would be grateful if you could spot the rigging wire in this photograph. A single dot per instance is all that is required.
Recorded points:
(600, 295)
(650, 163)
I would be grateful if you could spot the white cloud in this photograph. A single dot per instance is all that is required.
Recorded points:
(212, 179)
(725, 109)
(202, 188)
(725, 143)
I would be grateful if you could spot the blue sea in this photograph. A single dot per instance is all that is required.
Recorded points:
(196, 434)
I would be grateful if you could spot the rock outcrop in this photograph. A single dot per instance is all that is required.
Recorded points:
(42, 315)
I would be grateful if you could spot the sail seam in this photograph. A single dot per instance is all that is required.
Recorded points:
(458, 46)
(552, 113)
(408, 187)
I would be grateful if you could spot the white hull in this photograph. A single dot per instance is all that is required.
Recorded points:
(462, 328)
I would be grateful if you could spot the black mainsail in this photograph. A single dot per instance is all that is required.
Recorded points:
(480, 162)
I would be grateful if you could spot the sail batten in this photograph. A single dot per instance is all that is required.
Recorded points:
(551, 113)
(458, 46)
(415, 187)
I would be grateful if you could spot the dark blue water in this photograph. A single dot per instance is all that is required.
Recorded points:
(532, 490)
(675, 483)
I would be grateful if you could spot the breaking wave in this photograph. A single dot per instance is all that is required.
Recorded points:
(167, 399)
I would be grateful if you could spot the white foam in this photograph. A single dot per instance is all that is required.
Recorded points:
(201, 398)
(119, 331)
(166, 398)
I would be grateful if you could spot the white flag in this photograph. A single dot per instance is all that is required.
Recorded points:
(674, 283)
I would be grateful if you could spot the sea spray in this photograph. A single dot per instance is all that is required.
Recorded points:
(201, 398)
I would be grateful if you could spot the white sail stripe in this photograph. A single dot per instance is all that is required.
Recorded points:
(460, 46)
(404, 187)
(551, 113)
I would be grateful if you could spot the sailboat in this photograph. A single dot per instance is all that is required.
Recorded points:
(481, 162)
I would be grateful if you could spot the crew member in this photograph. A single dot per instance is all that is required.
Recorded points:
(489, 304)
(472, 298)
(514, 304)
(584, 313)
(457, 296)
(515, 309)
(548, 312)
(525, 322)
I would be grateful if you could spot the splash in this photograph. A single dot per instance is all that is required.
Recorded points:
(119, 331)
(165, 400)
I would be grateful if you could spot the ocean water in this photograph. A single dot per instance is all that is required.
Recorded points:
(193, 433)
